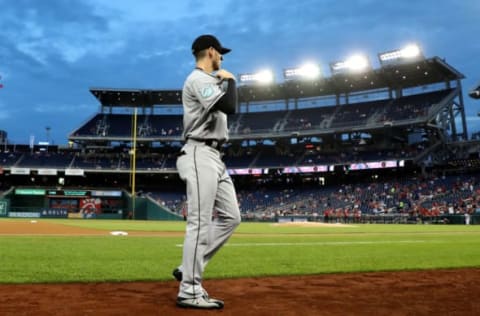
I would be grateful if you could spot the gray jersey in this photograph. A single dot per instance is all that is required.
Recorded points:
(200, 92)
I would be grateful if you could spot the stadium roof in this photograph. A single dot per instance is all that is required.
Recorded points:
(396, 76)
(136, 97)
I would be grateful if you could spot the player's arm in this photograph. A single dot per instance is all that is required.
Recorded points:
(227, 102)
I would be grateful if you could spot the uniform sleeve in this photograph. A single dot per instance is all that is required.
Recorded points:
(207, 92)
(228, 102)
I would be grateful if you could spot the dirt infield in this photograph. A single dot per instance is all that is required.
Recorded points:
(447, 292)
(42, 228)
(437, 292)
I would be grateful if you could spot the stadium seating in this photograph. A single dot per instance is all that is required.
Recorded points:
(245, 123)
(96, 162)
(120, 125)
(270, 156)
(411, 107)
(357, 114)
(45, 160)
(259, 122)
(402, 196)
(310, 118)
(8, 159)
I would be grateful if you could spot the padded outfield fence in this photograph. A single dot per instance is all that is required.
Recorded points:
(146, 209)
(373, 219)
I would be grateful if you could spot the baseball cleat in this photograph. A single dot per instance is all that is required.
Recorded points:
(211, 299)
(202, 302)
(177, 274)
(220, 303)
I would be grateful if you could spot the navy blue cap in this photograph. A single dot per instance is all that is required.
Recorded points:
(206, 41)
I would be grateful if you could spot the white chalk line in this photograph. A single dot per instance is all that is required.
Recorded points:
(324, 243)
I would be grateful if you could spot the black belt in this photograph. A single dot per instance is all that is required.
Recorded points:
(214, 143)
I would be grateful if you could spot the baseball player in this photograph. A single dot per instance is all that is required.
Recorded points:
(209, 94)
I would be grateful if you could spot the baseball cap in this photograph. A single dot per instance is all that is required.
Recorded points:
(205, 41)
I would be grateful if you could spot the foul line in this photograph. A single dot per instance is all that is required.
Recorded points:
(323, 243)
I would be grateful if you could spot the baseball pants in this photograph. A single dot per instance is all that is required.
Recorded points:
(209, 187)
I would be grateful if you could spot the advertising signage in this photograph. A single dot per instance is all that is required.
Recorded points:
(29, 192)
(107, 193)
(68, 193)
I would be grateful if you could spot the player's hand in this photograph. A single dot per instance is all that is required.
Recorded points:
(223, 74)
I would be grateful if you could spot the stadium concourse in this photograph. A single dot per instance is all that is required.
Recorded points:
(370, 145)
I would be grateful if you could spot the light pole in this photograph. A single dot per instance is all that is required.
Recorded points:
(47, 129)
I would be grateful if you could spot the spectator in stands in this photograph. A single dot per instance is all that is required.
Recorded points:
(467, 217)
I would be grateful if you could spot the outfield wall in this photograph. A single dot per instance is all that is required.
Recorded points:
(147, 209)
(40, 203)
(459, 219)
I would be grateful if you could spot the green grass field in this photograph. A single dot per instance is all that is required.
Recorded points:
(256, 249)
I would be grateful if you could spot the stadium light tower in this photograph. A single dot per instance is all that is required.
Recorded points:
(261, 77)
(408, 53)
(354, 64)
(308, 71)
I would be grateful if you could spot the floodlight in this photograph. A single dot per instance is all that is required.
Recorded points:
(409, 52)
(307, 71)
(338, 67)
(264, 77)
(355, 63)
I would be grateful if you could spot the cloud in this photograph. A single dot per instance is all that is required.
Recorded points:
(157, 12)
(148, 54)
(44, 32)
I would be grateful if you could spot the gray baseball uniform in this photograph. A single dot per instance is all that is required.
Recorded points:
(208, 184)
